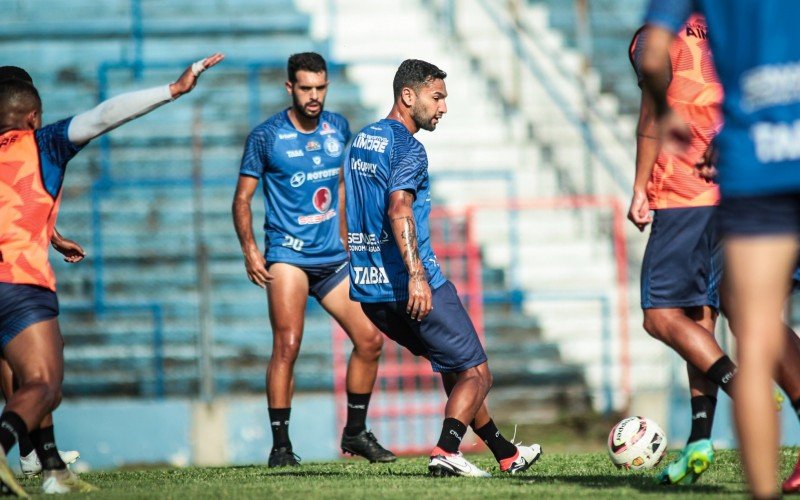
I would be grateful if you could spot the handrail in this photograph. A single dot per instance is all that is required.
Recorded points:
(558, 98)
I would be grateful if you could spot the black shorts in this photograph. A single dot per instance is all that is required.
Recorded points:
(322, 278)
(22, 306)
(682, 265)
(446, 336)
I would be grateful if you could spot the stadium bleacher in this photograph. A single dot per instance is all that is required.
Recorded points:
(132, 310)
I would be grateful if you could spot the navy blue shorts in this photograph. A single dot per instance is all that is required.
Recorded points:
(682, 264)
(774, 214)
(322, 278)
(22, 306)
(446, 336)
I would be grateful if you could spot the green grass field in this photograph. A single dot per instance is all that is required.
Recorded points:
(554, 476)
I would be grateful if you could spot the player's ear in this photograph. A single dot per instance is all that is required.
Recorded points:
(34, 119)
(408, 96)
(289, 87)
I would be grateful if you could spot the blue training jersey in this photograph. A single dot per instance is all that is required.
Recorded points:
(756, 47)
(385, 158)
(299, 175)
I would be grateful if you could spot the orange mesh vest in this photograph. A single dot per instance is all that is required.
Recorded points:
(27, 213)
(695, 94)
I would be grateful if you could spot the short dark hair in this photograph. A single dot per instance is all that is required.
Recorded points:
(415, 73)
(17, 96)
(305, 61)
(15, 73)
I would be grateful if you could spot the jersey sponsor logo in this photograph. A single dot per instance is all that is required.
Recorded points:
(295, 153)
(317, 160)
(697, 31)
(366, 242)
(371, 142)
(374, 127)
(313, 145)
(305, 220)
(770, 85)
(327, 129)
(286, 137)
(322, 199)
(322, 175)
(776, 142)
(297, 179)
(7, 141)
(364, 168)
(370, 275)
(333, 147)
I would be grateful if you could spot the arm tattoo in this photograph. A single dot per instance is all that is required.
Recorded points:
(410, 249)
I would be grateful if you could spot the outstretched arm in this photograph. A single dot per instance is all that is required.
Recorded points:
(404, 228)
(121, 109)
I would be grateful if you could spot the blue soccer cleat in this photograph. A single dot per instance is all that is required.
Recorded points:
(695, 458)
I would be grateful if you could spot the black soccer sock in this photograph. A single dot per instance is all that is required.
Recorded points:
(452, 434)
(501, 447)
(44, 440)
(11, 427)
(357, 405)
(279, 422)
(723, 373)
(702, 417)
(25, 445)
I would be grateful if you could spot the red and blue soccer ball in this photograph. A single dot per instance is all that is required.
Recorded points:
(636, 443)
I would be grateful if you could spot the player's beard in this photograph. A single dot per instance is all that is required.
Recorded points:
(301, 109)
(421, 119)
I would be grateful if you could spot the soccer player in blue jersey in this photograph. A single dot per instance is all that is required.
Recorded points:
(33, 162)
(756, 48)
(297, 155)
(396, 277)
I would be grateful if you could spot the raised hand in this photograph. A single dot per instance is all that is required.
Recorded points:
(186, 82)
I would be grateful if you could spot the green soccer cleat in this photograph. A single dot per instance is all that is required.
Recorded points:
(695, 458)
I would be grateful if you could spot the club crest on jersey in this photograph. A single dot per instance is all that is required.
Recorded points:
(297, 179)
(333, 147)
(313, 145)
(322, 199)
(317, 160)
(327, 129)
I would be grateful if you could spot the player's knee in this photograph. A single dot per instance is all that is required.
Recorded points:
(287, 349)
(655, 325)
(483, 378)
(370, 347)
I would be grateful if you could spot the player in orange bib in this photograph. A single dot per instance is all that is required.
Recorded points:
(682, 265)
(33, 161)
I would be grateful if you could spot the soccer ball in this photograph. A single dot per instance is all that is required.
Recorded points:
(636, 443)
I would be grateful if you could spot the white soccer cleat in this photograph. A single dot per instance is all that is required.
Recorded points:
(59, 482)
(525, 457)
(31, 465)
(453, 464)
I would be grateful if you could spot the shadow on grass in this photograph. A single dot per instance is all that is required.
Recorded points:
(641, 483)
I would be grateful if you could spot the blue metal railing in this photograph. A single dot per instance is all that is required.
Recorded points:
(556, 95)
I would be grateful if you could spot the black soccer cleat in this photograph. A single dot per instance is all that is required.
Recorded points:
(365, 444)
(283, 457)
